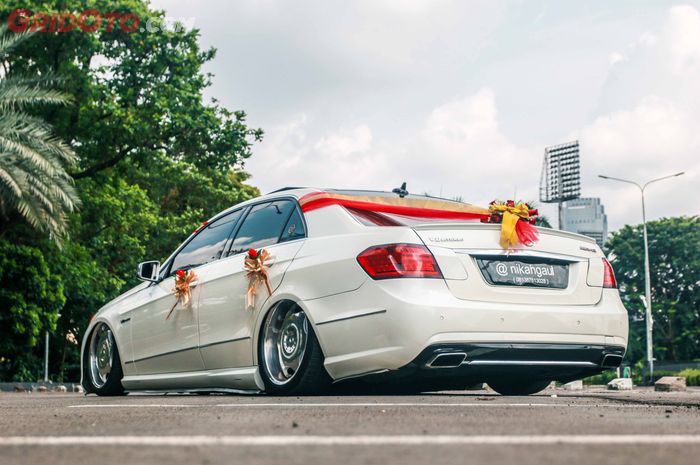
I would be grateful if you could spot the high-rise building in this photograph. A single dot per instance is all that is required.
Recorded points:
(585, 215)
(560, 179)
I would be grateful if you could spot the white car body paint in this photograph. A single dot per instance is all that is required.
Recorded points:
(363, 325)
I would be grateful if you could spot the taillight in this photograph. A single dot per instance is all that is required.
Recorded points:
(608, 275)
(399, 261)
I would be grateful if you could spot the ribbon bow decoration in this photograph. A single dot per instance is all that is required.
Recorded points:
(256, 264)
(182, 290)
(517, 223)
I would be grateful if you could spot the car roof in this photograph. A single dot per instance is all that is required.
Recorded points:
(298, 192)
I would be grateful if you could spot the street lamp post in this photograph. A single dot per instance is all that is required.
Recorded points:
(46, 357)
(647, 277)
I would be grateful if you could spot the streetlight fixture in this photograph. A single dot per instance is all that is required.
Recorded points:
(647, 278)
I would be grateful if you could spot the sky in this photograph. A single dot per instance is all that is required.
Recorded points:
(460, 98)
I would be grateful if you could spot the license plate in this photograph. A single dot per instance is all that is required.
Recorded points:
(529, 273)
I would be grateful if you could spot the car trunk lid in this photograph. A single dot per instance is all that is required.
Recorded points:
(560, 268)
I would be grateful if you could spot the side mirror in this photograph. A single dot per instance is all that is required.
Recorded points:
(148, 271)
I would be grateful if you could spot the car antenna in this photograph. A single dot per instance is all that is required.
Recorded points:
(401, 190)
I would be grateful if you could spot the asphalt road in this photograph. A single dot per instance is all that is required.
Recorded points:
(593, 427)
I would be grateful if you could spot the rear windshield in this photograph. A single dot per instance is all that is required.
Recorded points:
(369, 218)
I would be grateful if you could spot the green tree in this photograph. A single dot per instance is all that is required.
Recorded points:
(154, 158)
(30, 299)
(33, 181)
(140, 113)
(674, 257)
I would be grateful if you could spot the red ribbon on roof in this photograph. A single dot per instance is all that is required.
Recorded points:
(421, 208)
(514, 218)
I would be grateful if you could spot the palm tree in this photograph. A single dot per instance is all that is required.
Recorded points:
(33, 179)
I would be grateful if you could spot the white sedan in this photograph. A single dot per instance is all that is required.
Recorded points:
(378, 286)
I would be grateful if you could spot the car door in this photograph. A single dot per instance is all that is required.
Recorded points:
(163, 344)
(225, 324)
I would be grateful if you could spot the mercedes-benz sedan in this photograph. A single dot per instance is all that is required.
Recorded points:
(386, 295)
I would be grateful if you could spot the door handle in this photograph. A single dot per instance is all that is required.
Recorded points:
(125, 320)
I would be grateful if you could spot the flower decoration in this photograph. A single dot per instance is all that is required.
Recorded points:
(256, 264)
(517, 222)
(182, 290)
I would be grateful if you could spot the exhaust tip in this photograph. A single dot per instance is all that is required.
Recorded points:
(448, 360)
(612, 360)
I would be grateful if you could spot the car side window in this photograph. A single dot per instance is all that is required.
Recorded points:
(294, 229)
(208, 245)
(262, 226)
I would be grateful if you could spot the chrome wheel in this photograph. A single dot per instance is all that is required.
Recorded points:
(285, 336)
(101, 355)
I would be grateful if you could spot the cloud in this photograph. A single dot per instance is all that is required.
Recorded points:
(641, 142)
(459, 150)
(653, 139)
(462, 151)
(346, 142)
(647, 123)
(616, 57)
(289, 156)
(682, 32)
(644, 125)
(664, 62)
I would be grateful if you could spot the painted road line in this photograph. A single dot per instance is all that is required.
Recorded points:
(407, 440)
(136, 405)
(360, 404)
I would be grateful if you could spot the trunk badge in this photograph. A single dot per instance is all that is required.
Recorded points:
(446, 239)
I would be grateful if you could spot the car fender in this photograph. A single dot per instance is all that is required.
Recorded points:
(83, 346)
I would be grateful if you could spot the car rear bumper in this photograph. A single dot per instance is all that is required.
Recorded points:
(392, 325)
(441, 356)
(456, 366)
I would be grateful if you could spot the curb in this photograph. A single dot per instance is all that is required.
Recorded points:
(40, 386)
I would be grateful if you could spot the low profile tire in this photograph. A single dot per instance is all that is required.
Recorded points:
(103, 368)
(291, 360)
(518, 387)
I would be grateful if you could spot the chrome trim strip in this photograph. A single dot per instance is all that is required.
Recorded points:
(236, 339)
(519, 253)
(475, 225)
(529, 363)
(162, 355)
(188, 348)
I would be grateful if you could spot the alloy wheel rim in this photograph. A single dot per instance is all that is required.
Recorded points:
(285, 338)
(101, 355)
